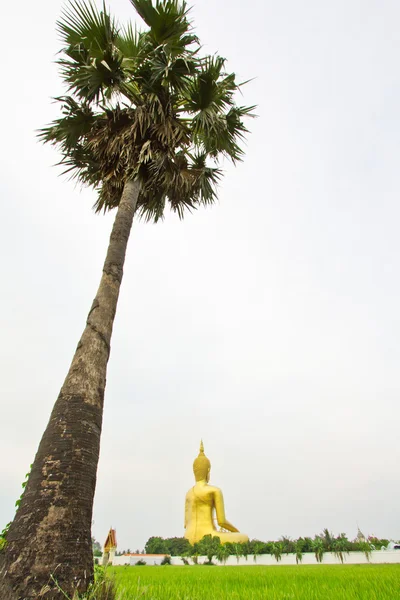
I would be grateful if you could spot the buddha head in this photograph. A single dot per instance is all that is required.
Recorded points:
(201, 466)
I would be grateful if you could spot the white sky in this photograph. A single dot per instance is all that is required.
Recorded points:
(268, 324)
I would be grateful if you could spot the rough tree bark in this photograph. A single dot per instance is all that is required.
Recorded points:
(51, 531)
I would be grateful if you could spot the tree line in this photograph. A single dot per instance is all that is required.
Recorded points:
(211, 547)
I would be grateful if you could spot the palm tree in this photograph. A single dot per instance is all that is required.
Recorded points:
(258, 548)
(208, 546)
(276, 550)
(367, 548)
(318, 548)
(340, 547)
(298, 550)
(144, 120)
(288, 545)
(328, 539)
(245, 550)
(222, 553)
(238, 549)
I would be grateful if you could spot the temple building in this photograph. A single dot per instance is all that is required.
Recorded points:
(110, 546)
(109, 557)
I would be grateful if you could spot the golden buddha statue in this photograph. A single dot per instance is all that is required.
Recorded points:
(201, 502)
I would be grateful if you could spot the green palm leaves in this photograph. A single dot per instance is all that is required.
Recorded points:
(217, 122)
(144, 105)
(92, 65)
(168, 23)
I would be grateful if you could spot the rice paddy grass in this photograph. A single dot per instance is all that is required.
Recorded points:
(330, 582)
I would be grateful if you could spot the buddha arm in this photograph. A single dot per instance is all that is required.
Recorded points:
(220, 510)
(186, 511)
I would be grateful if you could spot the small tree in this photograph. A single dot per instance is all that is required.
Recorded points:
(195, 553)
(288, 545)
(176, 546)
(327, 540)
(307, 544)
(367, 548)
(222, 553)
(257, 549)
(238, 550)
(245, 549)
(298, 550)
(276, 550)
(318, 548)
(377, 543)
(340, 547)
(155, 545)
(209, 546)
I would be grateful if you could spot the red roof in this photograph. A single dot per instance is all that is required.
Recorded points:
(134, 554)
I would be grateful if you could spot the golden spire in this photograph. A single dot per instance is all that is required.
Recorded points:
(201, 447)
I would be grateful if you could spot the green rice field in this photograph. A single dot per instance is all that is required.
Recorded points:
(338, 582)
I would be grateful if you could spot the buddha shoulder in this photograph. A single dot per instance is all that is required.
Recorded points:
(203, 489)
(207, 490)
(213, 489)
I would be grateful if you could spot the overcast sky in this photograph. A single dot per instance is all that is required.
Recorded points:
(268, 325)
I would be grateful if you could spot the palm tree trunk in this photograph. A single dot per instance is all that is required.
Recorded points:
(51, 531)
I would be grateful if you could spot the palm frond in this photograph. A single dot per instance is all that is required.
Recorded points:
(211, 88)
(95, 79)
(132, 47)
(221, 132)
(167, 21)
(92, 66)
(77, 121)
(144, 105)
(83, 24)
(207, 178)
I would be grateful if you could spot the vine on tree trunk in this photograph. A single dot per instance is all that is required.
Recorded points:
(3, 534)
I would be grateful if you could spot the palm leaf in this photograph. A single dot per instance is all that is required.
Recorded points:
(128, 42)
(167, 21)
(82, 23)
(77, 121)
(93, 66)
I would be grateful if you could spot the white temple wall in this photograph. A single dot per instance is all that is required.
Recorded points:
(127, 559)
(329, 558)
